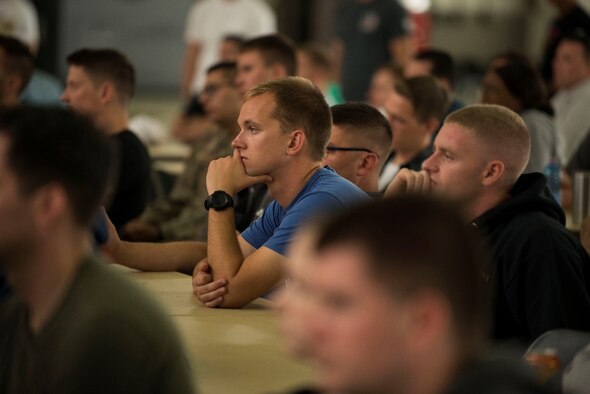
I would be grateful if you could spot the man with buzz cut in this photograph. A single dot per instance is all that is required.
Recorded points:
(359, 144)
(100, 85)
(540, 274)
(284, 129)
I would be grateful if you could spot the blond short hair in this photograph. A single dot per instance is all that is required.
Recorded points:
(503, 134)
(299, 104)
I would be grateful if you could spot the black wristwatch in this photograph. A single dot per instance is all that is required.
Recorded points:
(219, 201)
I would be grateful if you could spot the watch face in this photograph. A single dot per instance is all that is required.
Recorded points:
(219, 200)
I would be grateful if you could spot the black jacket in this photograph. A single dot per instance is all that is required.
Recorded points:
(540, 274)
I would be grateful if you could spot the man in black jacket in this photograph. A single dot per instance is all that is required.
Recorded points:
(540, 274)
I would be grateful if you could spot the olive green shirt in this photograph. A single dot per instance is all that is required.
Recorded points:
(107, 336)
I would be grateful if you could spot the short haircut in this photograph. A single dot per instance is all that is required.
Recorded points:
(525, 83)
(274, 49)
(510, 57)
(299, 104)
(54, 145)
(107, 65)
(367, 124)
(19, 59)
(433, 250)
(395, 72)
(228, 68)
(318, 56)
(578, 36)
(428, 99)
(502, 132)
(442, 65)
(235, 39)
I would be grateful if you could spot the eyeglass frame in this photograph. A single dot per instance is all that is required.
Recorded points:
(348, 149)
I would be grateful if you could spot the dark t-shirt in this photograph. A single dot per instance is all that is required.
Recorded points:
(107, 336)
(133, 186)
(366, 30)
(580, 161)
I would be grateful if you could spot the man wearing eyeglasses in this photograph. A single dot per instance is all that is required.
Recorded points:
(359, 144)
(415, 110)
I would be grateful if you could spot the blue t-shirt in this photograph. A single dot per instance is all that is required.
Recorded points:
(325, 191)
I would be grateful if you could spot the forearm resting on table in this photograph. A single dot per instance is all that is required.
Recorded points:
(224, 252)
(170, 256)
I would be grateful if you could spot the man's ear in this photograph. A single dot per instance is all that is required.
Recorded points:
(296, 142)
(369, 162)
(107, 92)
(279, 71)
(432, 125)
(14, 83)
(429, 319)
(49, 204)
(493, 172)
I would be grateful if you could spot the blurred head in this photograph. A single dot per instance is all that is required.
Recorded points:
(571, 64)
(359, 143)
(313, 63)
(372, 307)
(264, 59)
(16, 68)
(414, 109)
(382, 84)
(434, 62)
(230, 47)
(481, 150)
(516, 86)
(220, 98)
(98, 78)
(54, 165)
(505, 58)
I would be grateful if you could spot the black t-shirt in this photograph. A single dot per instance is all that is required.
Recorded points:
(133, 184)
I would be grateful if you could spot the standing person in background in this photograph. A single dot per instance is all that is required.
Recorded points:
(368, 34)
(100, 85)
(571, 17)
(208, 22)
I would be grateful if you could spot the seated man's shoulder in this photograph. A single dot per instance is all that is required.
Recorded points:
(329, 186)
(101, 295)
(497, 375)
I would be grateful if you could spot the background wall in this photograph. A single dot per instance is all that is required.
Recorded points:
(151, 31)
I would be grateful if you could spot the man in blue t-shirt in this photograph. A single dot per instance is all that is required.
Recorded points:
(284, 129)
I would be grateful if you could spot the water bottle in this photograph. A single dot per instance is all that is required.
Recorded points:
(553, 173)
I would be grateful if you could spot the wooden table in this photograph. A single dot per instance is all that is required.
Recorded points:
(232, 351)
